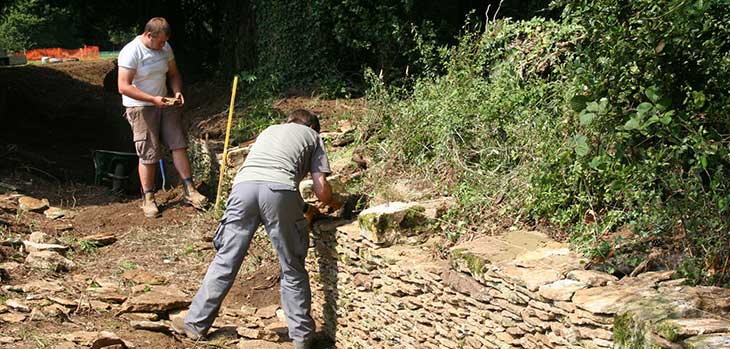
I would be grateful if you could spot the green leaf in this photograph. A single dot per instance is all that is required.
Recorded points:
(652, 94)
(644, 108)
(653, 119)
(596, 162)
(602, 105)
(593, 107)
(586, 118)
(581, 147)
(578, 102)
(664, 103)
(632, 124)
(667, 117)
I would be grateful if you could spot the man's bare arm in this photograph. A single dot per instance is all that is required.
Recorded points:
(175, 78)
(321, 187)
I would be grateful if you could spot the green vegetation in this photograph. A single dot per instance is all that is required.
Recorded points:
(606, 119)
(127, 265)
(29, 24)
(611, 119)
(87, 246)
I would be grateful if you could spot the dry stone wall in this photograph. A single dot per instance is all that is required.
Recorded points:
(520, 290)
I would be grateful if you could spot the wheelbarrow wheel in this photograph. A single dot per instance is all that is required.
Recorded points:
(117, 181)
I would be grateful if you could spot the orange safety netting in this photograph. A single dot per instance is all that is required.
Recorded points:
(86, 52)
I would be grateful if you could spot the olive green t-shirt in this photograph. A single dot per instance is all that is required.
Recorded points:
(284, 153)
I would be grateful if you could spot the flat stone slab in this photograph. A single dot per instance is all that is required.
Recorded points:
(49, 260)
(36, 286)
(17, 305)
(31, 246)
(8, 340)
(261, 344)
(56, 213)
(249, 333)
(107, 339)
(392, 222)
(40, 237)
(158, 300)
(608, 299)
(96, 340)
(674, 329)
(267, 312)
(12, 318)
(139, 276)
(306, 188)
(154, 326)
(561, 290)
(710, 341)
(467, 285)
(101, 239)
(27, 203)
(591, 278)
(530, 278)
(527, 247)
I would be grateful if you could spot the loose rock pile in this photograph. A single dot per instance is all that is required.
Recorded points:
(378, 284)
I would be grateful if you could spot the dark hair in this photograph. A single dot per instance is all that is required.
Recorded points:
(156, 26)
(304, 117)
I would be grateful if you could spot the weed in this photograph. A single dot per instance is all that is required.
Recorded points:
(127, 265)
(188, 249)
(87, 246)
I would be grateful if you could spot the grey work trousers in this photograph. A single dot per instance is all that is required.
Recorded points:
(279, 208)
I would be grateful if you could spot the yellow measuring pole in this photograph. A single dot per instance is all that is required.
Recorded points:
(224, 161)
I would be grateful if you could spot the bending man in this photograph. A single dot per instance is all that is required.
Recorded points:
(265, 192)
(145, 66)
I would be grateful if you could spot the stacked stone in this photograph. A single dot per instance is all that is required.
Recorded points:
(372, 290)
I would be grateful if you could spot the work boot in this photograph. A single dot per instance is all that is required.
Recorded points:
(193, 197)
(149, 206)
(177, 323)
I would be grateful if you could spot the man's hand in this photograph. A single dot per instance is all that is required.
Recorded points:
(179, 97)
(159, 102)
(332, 206)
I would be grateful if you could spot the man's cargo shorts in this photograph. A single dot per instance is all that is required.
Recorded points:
(152, 127)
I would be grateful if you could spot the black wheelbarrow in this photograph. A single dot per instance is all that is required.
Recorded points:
(117, 167)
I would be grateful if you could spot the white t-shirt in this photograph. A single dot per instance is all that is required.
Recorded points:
(151, 69)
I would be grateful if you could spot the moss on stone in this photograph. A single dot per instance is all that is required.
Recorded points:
(472, 262)
(626, 335)
(392, 227)
(668, 330)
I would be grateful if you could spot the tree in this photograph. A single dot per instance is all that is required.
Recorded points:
(28, 24)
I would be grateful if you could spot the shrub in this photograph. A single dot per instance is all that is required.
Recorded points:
(610, 123)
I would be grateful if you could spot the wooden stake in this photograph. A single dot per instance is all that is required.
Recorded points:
(225, 145)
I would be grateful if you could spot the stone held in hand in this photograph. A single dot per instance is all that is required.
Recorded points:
(171, 101)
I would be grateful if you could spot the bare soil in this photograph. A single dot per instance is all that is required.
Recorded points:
(52, 117)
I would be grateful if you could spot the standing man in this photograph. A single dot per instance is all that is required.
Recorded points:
(146, 65)
(265, 191)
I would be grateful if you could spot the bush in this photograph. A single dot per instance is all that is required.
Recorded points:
(610, 123)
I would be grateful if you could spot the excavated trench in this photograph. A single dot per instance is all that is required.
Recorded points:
(53, 118)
